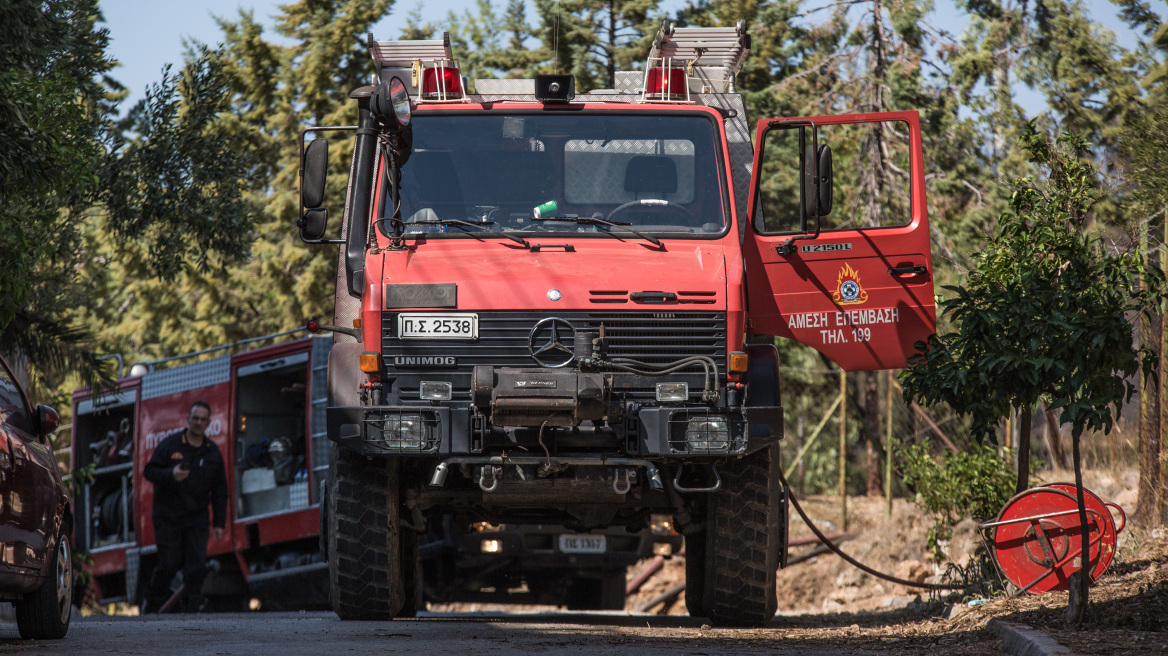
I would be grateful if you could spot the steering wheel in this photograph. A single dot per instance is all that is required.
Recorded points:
(650, 203)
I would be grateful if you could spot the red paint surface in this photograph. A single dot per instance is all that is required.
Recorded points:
(783, 287)
(1018, 546)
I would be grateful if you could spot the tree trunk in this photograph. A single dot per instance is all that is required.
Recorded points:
(1148, 502)
(1023, 451)
(1080, 582)
(1054, 438)
(873, 444)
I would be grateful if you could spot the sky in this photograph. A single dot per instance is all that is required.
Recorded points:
(145, 35)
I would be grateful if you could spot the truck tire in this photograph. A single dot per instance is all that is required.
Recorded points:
(695, 574)
(591, 593)
(612, 590)
(364, 537)
(744, 524)
(411, 568)
(44, 613)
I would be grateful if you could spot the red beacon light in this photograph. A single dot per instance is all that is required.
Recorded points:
(666, 83)
(441, 81)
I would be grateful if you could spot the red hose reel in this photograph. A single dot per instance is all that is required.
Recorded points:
(1036, 539)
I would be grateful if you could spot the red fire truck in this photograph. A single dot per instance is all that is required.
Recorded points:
(267, 417)
(567, 303)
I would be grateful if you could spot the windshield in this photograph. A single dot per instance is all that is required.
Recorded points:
(658, 174)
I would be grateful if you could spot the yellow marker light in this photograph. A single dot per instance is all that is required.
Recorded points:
(370, 362)
(737, 362)
(357, 323)
(492, 546)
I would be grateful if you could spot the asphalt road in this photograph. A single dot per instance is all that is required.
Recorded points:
(288, 634)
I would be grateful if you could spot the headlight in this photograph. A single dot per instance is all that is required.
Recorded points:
(431, 390)
(672, 391)
(707, 434)
(405, 432)
(491, 546)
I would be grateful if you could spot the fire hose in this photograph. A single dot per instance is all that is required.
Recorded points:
(831, 545)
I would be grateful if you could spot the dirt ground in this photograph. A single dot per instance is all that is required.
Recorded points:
(1129, 605)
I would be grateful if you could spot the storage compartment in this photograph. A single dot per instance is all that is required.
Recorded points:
(271, 436)
(103, 436)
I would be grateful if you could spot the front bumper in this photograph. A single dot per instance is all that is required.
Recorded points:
(647, 431)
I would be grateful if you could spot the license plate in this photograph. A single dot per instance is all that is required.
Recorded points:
(585, 544)
(438, 325)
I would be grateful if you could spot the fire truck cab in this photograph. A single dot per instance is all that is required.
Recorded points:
(564, 305)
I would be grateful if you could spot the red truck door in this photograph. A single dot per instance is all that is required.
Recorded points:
(858, 287)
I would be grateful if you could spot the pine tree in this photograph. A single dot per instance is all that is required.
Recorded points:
(593, 39)
(276, 90)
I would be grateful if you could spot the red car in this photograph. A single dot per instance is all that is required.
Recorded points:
(36, 556)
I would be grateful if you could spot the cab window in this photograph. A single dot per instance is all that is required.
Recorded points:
(660, 174)
(871, 183)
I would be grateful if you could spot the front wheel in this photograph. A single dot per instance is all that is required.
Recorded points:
(44, 613)
(364, 537)
(745, 521)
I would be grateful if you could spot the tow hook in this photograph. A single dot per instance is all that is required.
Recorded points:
(489, 473)
(616, 476)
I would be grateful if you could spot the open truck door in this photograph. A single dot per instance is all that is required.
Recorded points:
(837, 249)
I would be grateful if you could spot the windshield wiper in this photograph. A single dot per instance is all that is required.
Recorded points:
(595, 220)
(481, 225)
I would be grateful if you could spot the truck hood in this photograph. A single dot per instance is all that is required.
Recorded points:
(597, 274)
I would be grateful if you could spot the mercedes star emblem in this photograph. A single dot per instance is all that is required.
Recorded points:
(546, 342)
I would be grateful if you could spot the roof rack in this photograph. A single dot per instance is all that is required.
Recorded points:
(724, 47)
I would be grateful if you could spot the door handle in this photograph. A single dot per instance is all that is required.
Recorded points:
(914, 270)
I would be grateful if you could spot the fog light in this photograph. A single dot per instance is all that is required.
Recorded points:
(492, 546)
(405, 432)
(672, 391)
(707, 434)
(433, 390)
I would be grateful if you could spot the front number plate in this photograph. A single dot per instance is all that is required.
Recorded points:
(437, 325)
(585, 544)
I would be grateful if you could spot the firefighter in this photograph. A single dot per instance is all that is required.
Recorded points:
(188, 475)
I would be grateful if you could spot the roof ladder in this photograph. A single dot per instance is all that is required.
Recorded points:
(709, 47)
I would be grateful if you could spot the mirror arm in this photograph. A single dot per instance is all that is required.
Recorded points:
(304, 132)
(358, 204)
(787, 248)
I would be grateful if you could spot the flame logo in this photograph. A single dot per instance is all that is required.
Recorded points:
(848, 289)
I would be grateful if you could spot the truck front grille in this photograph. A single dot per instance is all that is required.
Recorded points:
(652, 337)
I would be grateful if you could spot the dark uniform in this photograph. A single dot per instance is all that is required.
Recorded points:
(180, 515)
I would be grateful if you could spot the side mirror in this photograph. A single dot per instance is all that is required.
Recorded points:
(47, 420)
(315, 171)
(817, 191)
(312, 223)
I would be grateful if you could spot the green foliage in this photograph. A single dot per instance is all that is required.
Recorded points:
(76, 480)
(592, 39)
(974, 483)
(64, 171)
(177, 186)
(1045, 311)
(1145, 143)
